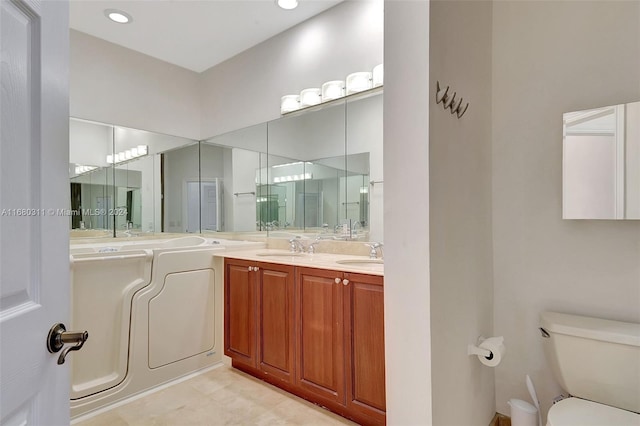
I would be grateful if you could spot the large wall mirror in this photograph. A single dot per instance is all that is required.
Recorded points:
(316, 171)
(601, 163)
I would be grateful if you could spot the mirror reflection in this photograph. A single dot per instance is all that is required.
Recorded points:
(316, 171)
(601, 163)
(230, 190)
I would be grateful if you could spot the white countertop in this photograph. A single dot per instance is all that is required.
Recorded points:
(316, 260)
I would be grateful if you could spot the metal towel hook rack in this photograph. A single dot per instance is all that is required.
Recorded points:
(449, 101)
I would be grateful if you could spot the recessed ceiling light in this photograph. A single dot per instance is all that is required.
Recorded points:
(118, 16)
(288, 4)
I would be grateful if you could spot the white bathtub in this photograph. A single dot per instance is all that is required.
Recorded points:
(153, 310)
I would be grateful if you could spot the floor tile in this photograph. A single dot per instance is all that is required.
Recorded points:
(223, 396)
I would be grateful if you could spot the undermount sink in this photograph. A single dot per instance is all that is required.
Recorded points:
(361, 262)
(281, 254)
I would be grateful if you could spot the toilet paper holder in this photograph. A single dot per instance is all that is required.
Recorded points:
(476, 350)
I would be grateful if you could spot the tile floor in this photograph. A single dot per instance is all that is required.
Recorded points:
(222, 396)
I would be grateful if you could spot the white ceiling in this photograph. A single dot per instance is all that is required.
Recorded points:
(194, 34)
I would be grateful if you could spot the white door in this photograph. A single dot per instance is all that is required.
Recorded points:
(34, 189)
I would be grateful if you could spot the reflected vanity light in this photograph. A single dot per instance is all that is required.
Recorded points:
(332, 90)
(358, 82)
(292, 178)
(289, 103)
(310, 97)
(129, 154)
(378, 75)
(80, 169)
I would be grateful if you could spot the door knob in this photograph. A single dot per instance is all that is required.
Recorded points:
(59, 336)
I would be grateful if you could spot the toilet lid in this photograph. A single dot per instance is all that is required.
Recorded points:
(580, 412)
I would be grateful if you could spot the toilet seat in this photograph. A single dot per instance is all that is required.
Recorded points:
(580, 412)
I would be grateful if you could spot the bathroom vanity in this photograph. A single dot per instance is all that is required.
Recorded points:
(309, 325)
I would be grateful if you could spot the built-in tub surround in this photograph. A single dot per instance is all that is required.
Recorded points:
(153, 310)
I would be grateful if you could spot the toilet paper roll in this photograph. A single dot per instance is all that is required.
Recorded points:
(496, 346)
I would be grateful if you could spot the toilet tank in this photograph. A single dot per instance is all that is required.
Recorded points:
(593, 358)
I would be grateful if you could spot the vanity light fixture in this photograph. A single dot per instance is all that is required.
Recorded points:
(129, 154)
(332, 90)
(358, 82)
(289, 103)
(378, 75)
(310, 97)
(118, 16)
(287, 4)
(335, 89)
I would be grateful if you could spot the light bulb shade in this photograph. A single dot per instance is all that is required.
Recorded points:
(309, 97)
(378, 75)
(287, 4)
(109, 159)
(127, 154)
(358, 82)
(143, 150)
(332, 90)
(289, 103)
(134, 152)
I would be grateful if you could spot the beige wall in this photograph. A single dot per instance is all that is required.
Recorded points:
(406, 213)
(460, 212)
(115, 85)
(246, 89)
(550, 58)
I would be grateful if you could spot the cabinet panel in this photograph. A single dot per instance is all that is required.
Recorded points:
(239, 312)
(320, 343)
(364, 329)
(275, 308)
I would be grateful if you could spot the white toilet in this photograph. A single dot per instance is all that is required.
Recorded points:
(597, 362)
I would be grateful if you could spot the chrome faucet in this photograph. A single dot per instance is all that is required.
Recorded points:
(373, 253)
(295, 245)
(311, 248)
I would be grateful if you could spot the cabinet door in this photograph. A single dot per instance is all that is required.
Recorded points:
(275, 320)
(364, 332)
(320, 338)
(240, 311)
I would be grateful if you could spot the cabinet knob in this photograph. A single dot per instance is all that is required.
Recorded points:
(337, 280)
(250, 268)
(345, 281)
(255, 268)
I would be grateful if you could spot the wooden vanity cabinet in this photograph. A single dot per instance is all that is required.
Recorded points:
(320, 355)
(240, 323)
(316, 333)
(340, 341)
(258, 316)
(364, 349)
